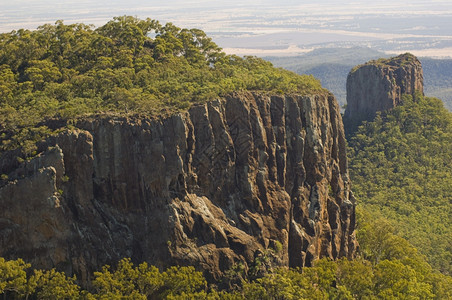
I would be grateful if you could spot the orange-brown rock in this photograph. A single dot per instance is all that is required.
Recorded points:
(379, 85)
(211, 187)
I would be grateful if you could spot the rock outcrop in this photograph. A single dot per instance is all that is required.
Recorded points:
(380, 84)
(211, 187)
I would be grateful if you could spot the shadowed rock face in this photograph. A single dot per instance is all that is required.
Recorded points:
(211, 187)
(379, 85)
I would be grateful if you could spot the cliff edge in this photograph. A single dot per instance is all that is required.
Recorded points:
(379, 85)
(212, 187)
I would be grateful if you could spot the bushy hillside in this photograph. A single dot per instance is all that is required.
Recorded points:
(400, 165)
(127, 66)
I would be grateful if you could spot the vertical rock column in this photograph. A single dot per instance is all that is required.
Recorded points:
(380, 84)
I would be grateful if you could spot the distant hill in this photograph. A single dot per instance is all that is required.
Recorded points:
(438, 79)
(325, 56)
(332, 65)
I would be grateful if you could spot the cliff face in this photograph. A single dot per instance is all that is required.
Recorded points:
(379, 85)
(211, 187)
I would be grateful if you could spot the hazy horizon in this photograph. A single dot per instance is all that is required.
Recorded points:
(265, 27)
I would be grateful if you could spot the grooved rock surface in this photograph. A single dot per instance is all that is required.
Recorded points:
(379, 85)
(211, 187)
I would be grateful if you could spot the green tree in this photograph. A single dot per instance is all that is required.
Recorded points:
(13, 278)
(178, 280)
(54, 285)
(357, 276)
(127, 281)
(394, 280)
(41, 71)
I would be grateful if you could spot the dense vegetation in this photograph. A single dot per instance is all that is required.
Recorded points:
(400, 165)
(393, 270)
(128, 65)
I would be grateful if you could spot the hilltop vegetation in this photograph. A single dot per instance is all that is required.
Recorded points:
(126, 66)
(400, 165)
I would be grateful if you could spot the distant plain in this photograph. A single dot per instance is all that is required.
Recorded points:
(266, 27)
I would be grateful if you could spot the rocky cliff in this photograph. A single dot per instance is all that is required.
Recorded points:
(218, 185)
(380, 84)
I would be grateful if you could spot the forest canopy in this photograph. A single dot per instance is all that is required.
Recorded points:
(128, 65)
(400, 165)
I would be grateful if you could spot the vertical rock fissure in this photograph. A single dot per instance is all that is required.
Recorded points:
(210, 187)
